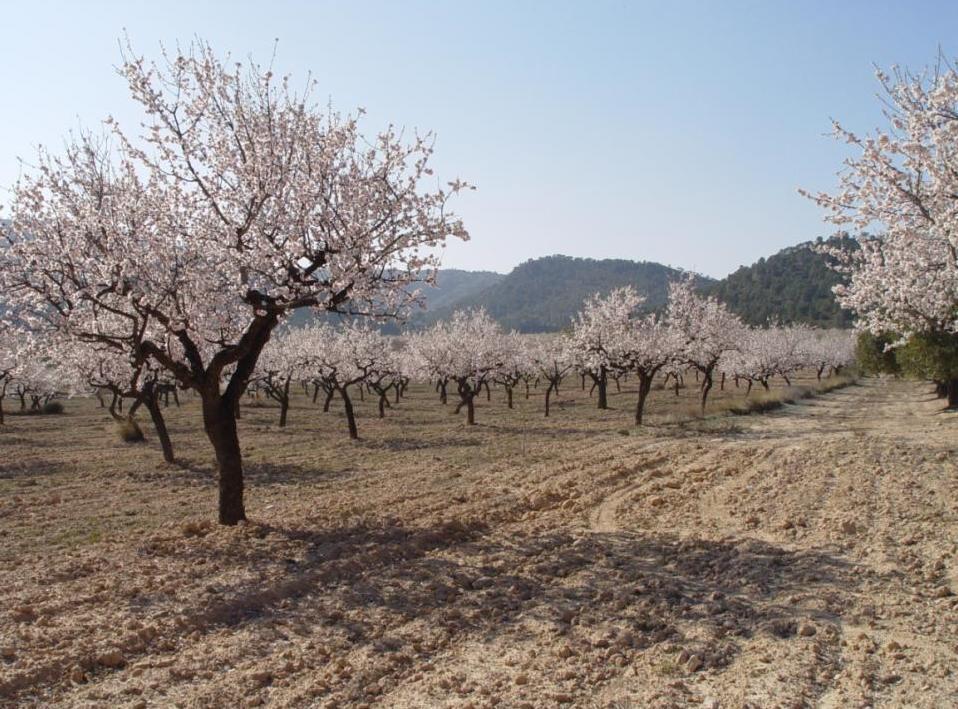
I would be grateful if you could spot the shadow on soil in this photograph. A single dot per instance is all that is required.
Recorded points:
(363, 584)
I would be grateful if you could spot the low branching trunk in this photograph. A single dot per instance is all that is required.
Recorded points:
(159, 423)
(645, 386)
(219, 421)
(350, 415)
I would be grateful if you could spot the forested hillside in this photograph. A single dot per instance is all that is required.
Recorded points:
(543, 294)
(794, 285)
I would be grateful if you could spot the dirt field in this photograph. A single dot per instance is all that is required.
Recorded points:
(805, 557)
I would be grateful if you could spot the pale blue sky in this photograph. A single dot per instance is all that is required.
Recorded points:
(671, 131)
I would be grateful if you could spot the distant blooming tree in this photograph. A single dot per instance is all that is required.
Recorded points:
(707, 331)
(13, 356)
(283, 361)
(92, 365)
(467, 350)
(552, 359)
(599, 336)
(901, 184)
(652, 344)
(240, 202)
(514, 363)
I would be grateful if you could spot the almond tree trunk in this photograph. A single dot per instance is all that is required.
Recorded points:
(219, 421)
(952, 393)
(645, 386)
(159, 423)
(602, 382)
(706, 387)
(350, 416)
(284, 404)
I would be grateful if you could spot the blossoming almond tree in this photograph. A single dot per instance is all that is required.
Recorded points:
(284, 358)
(239, 202)
(651, 344)
(600, 336)
(552, 359)
(903, 183)
(13, 347)
(707, 330)
(91, 365)
(473, 341)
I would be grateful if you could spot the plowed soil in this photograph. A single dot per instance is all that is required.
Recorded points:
(804, 557)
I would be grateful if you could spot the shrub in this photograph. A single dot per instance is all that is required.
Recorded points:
(52, 408)
(871, 354)
(129, 431)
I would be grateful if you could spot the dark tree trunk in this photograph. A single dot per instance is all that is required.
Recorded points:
(156, 414)
(706, 387)
(219, 420)
(329, 399)
(722, 383)
(952, 393)
(443, 394)
(583, 382)
(382, 405)
(470, 412)
(527, 390)
(765, 385)
(603, 384)
(23, 400)
(350, 416)
(284, 404)
(488, 393)
(787, 380)
(818, 372)
(749, 389)
(548, 396)
(509, 396)
(618, 385)
(398, 393)
(315, 392)
(645, 386)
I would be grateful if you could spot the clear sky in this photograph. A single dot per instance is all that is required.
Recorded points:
(665, 131)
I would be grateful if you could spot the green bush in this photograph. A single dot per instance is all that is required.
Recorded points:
(872, 356)
(932, 356)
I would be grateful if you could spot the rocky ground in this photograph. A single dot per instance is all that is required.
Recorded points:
(805, 557)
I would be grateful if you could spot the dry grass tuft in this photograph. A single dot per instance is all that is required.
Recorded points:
(129, 431)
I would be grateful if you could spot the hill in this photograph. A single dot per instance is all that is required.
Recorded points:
(794, 285)
(452, 286)
(543, 294)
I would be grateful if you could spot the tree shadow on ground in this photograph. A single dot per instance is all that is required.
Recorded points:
(27, 471)
(384, 587)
